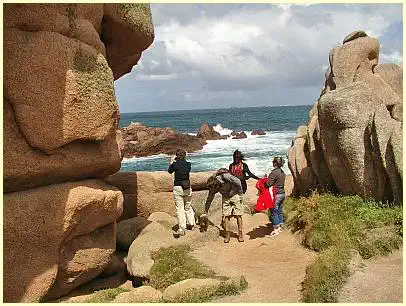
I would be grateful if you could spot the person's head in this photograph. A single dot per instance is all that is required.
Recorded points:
(212, 181)
(180, 154)
(278, 162)
(238, 156)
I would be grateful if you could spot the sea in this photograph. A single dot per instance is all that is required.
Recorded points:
(279, 123)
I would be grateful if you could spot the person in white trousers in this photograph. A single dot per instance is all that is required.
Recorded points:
(182, 192)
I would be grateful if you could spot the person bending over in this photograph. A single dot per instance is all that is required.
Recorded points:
(231, 192)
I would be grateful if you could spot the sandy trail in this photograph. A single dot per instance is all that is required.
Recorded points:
(273, 267)
(380, 281)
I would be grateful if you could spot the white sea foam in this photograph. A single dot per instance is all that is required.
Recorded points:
(259, 152)
(145, 158)
(222, 131)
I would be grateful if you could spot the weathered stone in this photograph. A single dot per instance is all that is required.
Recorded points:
(353, 143)
(207, 132)
(73, 93)
(133, 22)
(61, 118)
(393, 75)
(128, 230)
(115, 265)
(25, 167)
(174, 291)
(82, 259)
(258, 132)
(143, 190)
(240, 135)
(143, 294)
(155, 236)
(140, 140)
(352, 58)
(57, 214)
(354, 35)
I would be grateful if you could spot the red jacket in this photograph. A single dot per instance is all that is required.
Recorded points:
(265, 198)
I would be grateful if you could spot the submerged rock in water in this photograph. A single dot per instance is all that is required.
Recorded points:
(240, 135)
(258, 132)
(207, 132)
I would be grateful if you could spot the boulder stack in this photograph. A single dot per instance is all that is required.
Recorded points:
(60, 136)
(353, 141)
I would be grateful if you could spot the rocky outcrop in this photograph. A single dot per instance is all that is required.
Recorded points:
(60, 129)
(159, 234)
(239, 135)
(143, 294)
(70, 228)
(258, 132)
(206, 132)
(353, 141)
(140, 140)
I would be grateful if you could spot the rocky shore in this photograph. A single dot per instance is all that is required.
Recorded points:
(140, 140)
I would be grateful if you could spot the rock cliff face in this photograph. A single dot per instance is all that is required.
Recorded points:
(60, 130)
(353, 142)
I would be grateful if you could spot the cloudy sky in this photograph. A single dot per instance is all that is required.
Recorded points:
(226, 55)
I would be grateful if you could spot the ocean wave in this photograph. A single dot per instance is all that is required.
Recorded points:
(221, 130)
(144, 158)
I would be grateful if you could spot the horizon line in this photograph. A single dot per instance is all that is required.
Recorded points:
(220, 108)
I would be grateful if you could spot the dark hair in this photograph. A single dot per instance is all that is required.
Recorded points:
(238, 154)
(180, 153)
(278, 161)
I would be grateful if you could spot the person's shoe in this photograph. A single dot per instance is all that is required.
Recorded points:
(204, 223)
(273, 234)
(227, 237)
(240, 237)
(180, 232)
(189, 227)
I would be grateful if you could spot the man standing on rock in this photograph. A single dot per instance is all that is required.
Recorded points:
(231, 192)
(182, 191)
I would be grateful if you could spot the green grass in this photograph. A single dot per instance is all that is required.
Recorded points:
(332, 225)
(174, 264)
(206, 294)
(105, 296)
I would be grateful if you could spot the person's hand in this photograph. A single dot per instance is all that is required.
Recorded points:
(171, 159)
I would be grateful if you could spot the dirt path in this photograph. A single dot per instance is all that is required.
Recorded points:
(380, 281)
(273, 267)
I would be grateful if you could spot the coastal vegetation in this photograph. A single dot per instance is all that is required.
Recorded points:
(106, 295)
(338, 227)
(175, 264)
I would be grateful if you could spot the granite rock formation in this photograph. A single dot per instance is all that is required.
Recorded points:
(353, 141)
(60, 130)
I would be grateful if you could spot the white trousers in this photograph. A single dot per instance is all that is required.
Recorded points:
(184, 210)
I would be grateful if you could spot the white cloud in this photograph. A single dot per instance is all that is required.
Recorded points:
(394, 57)
(251, 46)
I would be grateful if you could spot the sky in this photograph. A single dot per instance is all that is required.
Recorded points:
(243, 55)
